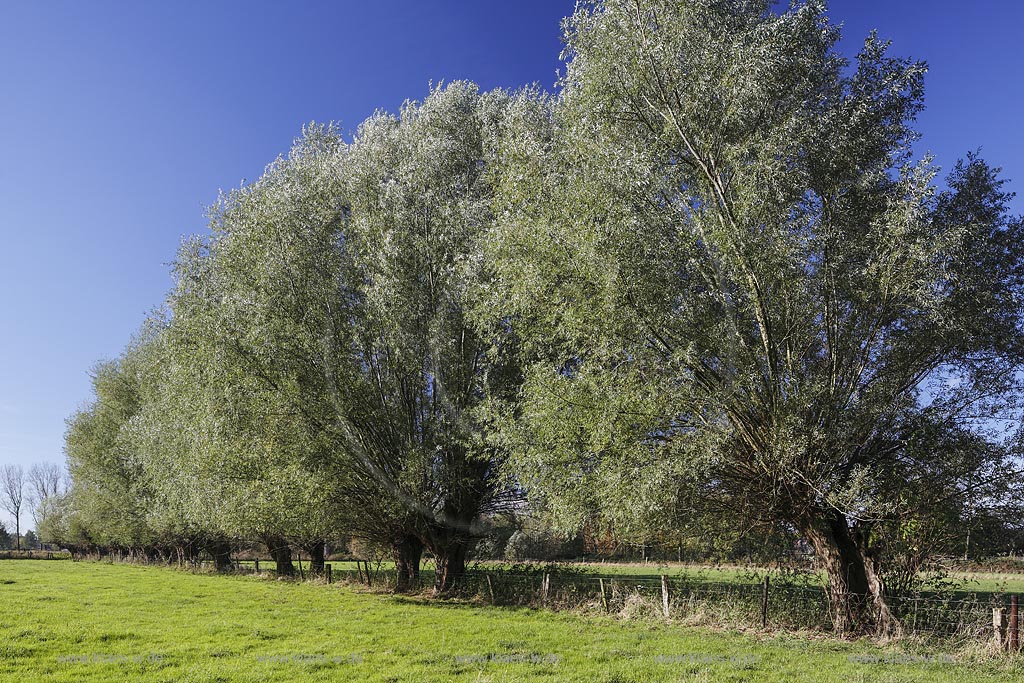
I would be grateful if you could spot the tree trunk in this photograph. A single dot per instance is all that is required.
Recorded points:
(450, 565)
(221, 552)
(408, 553)
(282, 555)
(856, 592)
(192, 553)
(316, 558)
(886, 623)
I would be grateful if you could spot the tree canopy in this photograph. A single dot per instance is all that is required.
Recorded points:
(707, 284)
(746, 293)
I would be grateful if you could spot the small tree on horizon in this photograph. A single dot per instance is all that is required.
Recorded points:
(12, 496)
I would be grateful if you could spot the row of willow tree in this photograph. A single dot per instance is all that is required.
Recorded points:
(706, 286)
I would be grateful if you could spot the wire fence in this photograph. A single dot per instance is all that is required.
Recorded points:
(785, 603)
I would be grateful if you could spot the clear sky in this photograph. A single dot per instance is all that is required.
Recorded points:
(120, 121)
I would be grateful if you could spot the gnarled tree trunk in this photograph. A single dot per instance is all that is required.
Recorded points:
(449, 564)
(316, 552)
(221, 552)
(856, 591)
(408, 552)
(281, 553)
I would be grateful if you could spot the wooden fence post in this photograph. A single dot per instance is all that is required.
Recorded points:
(256, 566)
(490, 588)
(328, 573)
(1014, 632)
(999, 626)
(764, 603)
(604, 598)
(664, 595)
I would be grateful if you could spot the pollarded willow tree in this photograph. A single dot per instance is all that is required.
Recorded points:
(418, 201)
(339, 288)
(106, 505)
(746, 296)
(224, 460)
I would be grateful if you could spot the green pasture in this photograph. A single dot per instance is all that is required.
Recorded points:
(91, 621)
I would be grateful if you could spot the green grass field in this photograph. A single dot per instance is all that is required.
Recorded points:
(980, 582)
(86, 621)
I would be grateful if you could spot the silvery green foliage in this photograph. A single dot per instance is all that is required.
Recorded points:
(324, 358)
(108, 499)
(237, 450)
(741, 292)
(418, 201)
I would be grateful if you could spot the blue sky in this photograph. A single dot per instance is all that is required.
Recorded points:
(119, 122)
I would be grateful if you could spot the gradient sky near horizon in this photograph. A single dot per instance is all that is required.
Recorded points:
(119, 122)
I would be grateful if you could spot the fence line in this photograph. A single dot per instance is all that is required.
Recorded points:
(965, 615)
(781, 604)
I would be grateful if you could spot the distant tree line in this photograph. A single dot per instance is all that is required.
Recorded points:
(703, 295)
